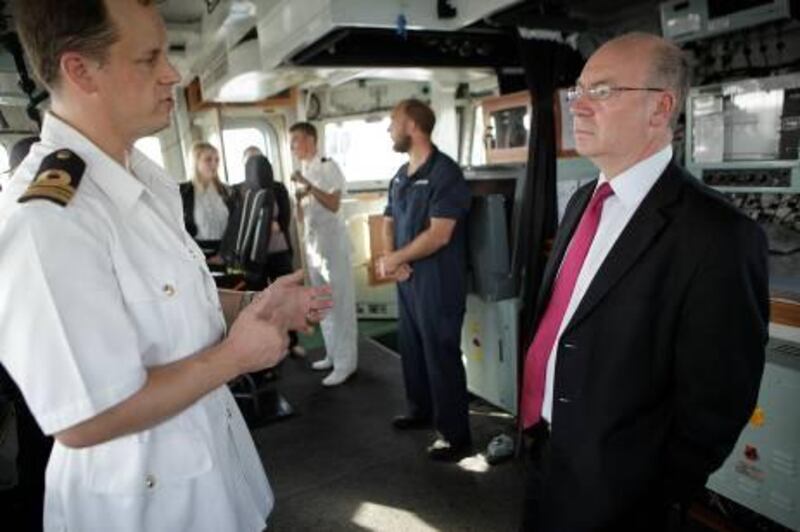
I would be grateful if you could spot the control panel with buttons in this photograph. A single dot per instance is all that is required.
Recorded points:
(748, 177)
(763, 470)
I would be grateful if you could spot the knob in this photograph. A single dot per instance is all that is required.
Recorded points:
(751, 453)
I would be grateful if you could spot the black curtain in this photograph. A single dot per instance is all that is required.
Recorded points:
(548, 65)
(10, 41)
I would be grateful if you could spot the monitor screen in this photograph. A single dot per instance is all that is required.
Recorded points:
(509, 128)
(748, 121)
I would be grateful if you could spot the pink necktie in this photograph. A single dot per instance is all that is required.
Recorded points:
(539, 351)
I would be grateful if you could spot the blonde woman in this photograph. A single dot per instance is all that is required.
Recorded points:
(206, 201)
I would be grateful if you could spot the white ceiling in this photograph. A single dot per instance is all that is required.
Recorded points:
(182, 11)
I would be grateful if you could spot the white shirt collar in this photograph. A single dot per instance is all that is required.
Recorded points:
(632, 185)
(113, 179)
(149, 173)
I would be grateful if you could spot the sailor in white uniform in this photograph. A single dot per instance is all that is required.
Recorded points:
(110, 322)
(327, 247)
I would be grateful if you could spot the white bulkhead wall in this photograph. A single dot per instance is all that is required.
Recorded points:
(287, 26)
(443, 103)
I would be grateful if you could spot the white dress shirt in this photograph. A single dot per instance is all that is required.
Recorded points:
(328, 259)
(630, 188)
(210, 213)
(91, 295)
(326, 176)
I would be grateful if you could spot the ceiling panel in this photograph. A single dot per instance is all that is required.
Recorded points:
(182, 10)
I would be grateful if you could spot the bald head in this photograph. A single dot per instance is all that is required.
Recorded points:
(663, 63)
(639, 81)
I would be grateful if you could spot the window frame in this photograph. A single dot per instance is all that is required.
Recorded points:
(163, 163)
(270, 137)
(4, 170)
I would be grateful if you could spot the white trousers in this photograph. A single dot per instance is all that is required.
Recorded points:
(328, 261)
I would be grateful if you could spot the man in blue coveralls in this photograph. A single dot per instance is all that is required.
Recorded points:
(425, 218)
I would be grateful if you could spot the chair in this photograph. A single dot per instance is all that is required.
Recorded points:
(264, 401)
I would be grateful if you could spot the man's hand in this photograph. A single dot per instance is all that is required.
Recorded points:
(300, 179)
(259, 337)
(256, 342)
(296, 307)
(389, 268)
(403, 273)
(388, 265)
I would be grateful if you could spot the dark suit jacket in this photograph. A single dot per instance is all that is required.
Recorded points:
(659, 368)
(284, 210)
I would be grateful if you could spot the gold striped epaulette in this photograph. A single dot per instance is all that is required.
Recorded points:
(57, 179)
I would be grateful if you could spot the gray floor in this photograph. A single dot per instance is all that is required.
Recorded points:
(338, 464)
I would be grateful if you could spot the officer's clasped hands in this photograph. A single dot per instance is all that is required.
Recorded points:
(259, 334)
(294, 306)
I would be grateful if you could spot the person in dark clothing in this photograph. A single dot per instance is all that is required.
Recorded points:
(25, 500)
(257, 239)
(652, 314)
(425, 219)
(19, 150)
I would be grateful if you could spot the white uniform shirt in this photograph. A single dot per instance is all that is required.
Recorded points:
(326, 176)
(210, 213)
(90, 295)
(327, 247)
(630, 188)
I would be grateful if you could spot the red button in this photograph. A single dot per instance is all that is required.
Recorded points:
(751, 453)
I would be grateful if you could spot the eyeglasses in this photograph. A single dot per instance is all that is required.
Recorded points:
(603, 91)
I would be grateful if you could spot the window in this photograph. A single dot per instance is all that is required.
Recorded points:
(236, 141)
(4, 174)
(363, 149)
(478, 151)
(3, 159)
(151, 147)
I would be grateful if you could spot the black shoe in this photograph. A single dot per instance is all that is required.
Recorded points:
(443, 451)
(411, 423)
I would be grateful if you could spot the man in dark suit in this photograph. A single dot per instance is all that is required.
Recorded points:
(652, 319)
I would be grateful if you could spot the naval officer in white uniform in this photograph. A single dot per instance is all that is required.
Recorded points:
(327, 247)
(109, 319)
